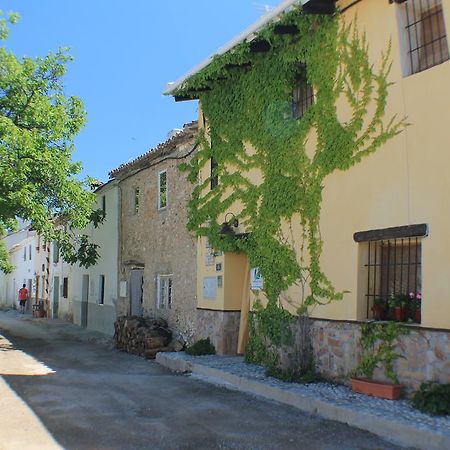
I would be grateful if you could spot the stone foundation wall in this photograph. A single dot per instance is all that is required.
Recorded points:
(222, 328)
(425, 353)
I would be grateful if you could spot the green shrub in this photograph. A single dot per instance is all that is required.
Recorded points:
(433, 398)
(201, 347)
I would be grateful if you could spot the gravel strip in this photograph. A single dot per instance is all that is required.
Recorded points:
(396, 410)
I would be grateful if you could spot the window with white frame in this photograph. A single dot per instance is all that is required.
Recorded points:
(164, 291)
(423, 36)
(162, 189)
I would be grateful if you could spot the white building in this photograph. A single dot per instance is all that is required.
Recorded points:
(93, 291)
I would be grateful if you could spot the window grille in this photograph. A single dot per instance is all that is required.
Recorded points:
(393, 269)
(425, 33)
(302, 99)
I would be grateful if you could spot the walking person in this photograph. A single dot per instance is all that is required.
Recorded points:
(23, 297)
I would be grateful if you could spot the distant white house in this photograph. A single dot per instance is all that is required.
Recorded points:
(87, 297)
(24, 251)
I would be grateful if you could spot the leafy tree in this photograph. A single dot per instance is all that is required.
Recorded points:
(38, 182)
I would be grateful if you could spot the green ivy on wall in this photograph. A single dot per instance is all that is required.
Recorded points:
(378, 342)
(247, 100)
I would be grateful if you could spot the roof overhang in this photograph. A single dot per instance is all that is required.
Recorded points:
(249, 34)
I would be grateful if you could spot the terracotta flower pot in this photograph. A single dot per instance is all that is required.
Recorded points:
(418, 315)
(378, 312)
(376, 388)
(398, 313)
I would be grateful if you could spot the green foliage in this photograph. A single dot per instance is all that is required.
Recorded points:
(253, 107)
(38, 124)
(201, 347)
(433, 398)
(378, 342)
(268, 329)
(293, 376)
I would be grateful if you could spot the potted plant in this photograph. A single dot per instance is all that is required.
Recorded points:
(395, 306)
(379, 309)
(378, 341)
(416, 306)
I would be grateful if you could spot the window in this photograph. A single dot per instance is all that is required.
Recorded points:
(425, 39)
(65, 292)
(43, 287)
(302, 99)
(101, 290)
(25, 253)
(392, 263)
(162, 189)
(104, 204)
(302, 94)
(136, 200)
(55, 252)
(214, 174)
(164, 292)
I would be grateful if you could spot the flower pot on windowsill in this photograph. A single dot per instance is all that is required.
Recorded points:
(398, 313)
(378, 312)
(418, 316)
(376, 388)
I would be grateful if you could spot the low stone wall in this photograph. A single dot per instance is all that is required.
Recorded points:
(222, 328)
(425, 354)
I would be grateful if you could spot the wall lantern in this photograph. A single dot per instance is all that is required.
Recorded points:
(229, 224)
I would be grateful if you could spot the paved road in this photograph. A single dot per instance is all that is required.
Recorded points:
(63, 388)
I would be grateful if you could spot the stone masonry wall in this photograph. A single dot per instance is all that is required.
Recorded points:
(222, 328)
(425, 353)
(157, 240)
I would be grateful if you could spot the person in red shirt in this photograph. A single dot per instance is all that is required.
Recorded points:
(23, 297)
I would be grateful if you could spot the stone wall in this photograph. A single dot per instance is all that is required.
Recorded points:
(222, 328)
(425, 353)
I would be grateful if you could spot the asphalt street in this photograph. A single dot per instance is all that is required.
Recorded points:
(65, 387)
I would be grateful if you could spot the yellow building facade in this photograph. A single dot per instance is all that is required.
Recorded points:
(385, 221)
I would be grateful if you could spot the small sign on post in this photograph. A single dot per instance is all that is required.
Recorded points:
(256, 280)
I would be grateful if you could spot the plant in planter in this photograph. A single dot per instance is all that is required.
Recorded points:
(415, 302)
(378, 341)
(394, 305)
(399, 306)
(379, 308)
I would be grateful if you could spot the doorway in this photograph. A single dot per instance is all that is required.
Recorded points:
(55, 297)
(136, 291)
(84, 300)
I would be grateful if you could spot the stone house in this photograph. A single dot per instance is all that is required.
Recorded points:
(157, 262)
(383, 221)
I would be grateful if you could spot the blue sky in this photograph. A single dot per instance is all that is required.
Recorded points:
(125, 53)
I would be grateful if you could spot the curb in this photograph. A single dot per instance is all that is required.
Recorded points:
(396, 432)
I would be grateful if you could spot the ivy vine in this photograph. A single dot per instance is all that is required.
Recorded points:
(247, 100)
